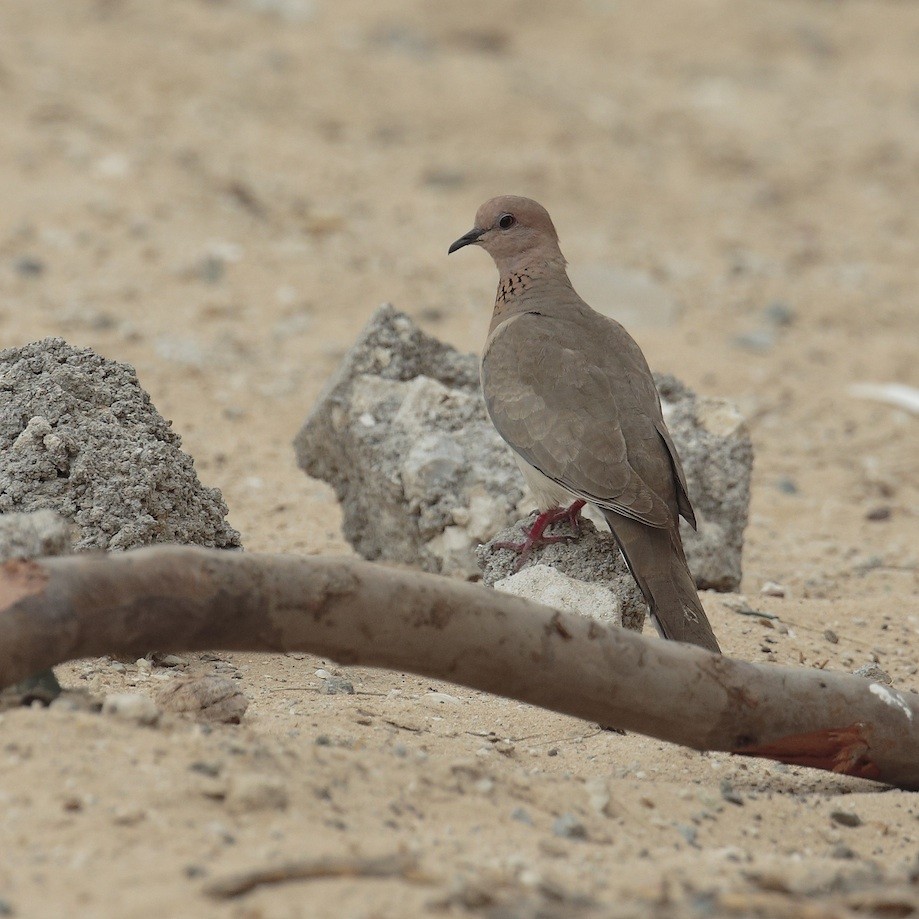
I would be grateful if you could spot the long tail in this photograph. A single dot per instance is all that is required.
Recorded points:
(656, 559)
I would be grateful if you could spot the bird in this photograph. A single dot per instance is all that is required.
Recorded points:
(571, 393)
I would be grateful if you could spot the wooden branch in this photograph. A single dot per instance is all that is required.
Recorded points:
(185, 599)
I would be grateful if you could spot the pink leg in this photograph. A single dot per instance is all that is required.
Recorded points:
(535, 535)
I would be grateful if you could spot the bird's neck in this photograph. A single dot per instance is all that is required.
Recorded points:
(521, 285)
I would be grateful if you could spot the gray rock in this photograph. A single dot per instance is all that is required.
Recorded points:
(78, 435)
(588, 577)
(401, 434)
(717, 455)
(874, 673)
(206, 697)
(569, 826)
(131, 707)
(33, 535)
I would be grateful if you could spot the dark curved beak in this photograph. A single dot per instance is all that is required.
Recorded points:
(466, 240)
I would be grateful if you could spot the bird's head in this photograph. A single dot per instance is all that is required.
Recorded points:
(516, 232)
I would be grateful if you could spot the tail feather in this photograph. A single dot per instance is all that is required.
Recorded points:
(656, 559)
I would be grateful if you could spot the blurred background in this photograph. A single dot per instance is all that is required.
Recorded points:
(221, 191)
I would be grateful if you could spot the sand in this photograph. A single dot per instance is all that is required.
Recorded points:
(221, 191)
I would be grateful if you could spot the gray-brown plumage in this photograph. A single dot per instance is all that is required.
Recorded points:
(571, 393)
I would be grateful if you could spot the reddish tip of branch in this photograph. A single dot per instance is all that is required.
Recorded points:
(20, 579)
(843, 750)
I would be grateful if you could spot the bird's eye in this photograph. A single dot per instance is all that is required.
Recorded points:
(507, 221)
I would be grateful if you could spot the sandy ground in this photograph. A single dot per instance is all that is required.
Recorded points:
(220, 191)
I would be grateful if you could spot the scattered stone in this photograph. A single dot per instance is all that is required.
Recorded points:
(787, 486)
(772, 589)
(251, 791)
(128, 816)
(599, 797)
(33, 535)
(842, 851)
(523, 815)
(401, 434)
(882, 512)
(588, 577)
(168, 660)
(831, 636)
(336, 685)
(79, 435)
(131, 707)
(568, 826)
(28, 266)
(77, 700)
(41, 687)
(728, 794)
(205, 698)
(874, 673)
(758, 341)
(845, 818)
(779, 313)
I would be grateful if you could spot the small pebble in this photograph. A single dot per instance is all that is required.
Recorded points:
(772, 589)
(759, 340)
(841, 851)
(250, 791)
(729, 795)
(522, 814)
(874, 673)
(336, 685)
(779, 313)
(845, 818)
(882, 512)
(131, 707)
(568, 826)
(29, 267)
(831, 636)
(169, 660)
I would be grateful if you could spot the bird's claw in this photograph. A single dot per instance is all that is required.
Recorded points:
(535, 535)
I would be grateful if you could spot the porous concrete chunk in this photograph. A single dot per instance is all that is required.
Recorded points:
(587, 575)
(79, 436)
(717, 455)
(547, 585)
(402, 435)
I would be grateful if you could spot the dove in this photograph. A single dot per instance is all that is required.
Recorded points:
(571, 393)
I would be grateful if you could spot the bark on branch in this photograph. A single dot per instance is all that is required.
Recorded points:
(185, 599)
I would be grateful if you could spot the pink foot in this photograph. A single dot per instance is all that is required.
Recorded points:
(534, 537)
